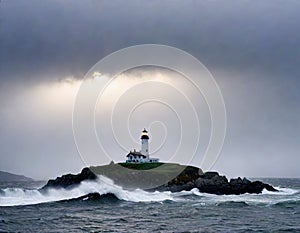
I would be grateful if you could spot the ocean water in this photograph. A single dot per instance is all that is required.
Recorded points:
(24, 209)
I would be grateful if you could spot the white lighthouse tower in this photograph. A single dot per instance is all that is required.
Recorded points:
(145, 145)
(141, 156)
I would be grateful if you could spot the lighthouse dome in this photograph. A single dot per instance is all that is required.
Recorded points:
(144, 137)
(144, 134)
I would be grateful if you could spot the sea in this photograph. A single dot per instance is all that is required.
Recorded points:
(23, 208)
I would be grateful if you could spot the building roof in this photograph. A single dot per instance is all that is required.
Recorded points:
(135, 153)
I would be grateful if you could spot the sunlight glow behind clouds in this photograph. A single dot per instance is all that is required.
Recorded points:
(251, 47)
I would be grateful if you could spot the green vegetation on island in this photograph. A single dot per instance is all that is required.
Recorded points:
(146, 175)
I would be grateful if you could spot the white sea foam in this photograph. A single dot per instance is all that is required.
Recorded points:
(282, 191)
(103, 185)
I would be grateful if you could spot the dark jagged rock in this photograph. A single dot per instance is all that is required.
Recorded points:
(219, 185)
(184, 181)
(209, 175)
(104, 198)
(190, 177)
(69, 180)
(212, 182)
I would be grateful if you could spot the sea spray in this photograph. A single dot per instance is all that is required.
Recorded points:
(187, 210)
(104, 185)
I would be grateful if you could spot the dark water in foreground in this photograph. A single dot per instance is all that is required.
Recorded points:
(24, 209)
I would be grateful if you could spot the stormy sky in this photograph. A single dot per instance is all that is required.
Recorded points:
(252, 48)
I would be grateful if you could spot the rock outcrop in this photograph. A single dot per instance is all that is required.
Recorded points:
(212, 182)
(216, 184)
(70, 180)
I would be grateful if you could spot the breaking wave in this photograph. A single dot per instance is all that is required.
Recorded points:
(103, 185)
(281, 191)
(105, 191)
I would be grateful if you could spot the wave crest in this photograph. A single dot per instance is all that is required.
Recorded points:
(102, 186)
(105, 191)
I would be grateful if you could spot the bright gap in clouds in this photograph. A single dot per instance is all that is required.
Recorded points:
(38, 121)
(161, 100)
(37, 138)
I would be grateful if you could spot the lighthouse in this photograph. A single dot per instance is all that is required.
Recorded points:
(141, 156)
(145, 145)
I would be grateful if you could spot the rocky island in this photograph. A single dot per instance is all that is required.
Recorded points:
(162, 177)
(140, 171)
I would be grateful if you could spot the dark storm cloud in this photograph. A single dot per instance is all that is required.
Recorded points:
(251, 47)
(68, 37)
